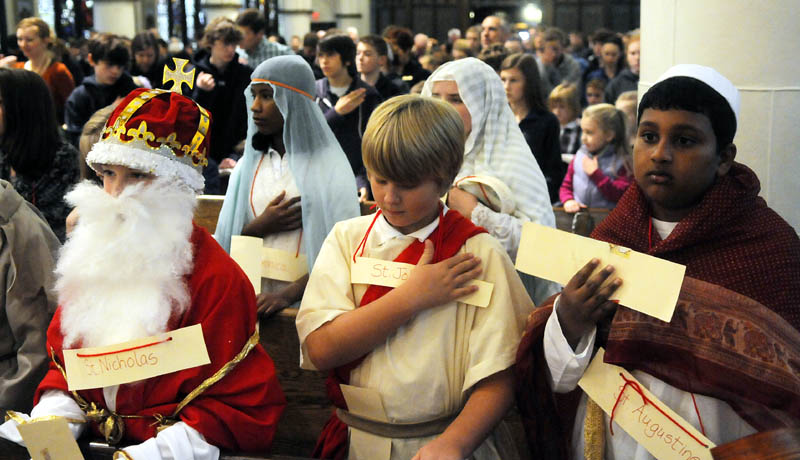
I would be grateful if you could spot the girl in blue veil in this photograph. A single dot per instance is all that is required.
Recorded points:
(293, 182)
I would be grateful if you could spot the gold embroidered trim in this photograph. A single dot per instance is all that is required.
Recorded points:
(17, 417)
(121, 454)
(111, 424)
(142, 138)
(594, 432)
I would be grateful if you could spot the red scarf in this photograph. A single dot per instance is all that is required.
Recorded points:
(735, 327)
(449, 237)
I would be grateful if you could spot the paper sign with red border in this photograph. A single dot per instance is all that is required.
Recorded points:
(665, 434)
(136, 360)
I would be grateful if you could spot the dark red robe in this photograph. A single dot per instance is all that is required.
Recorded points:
(239, 412)
(735, 335)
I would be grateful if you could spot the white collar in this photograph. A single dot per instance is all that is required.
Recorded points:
(663, 228)
(383, 230)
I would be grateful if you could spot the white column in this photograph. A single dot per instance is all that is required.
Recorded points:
(11, 17)
(120, 17)
(354, 13)
(294, 18)
(755, 45)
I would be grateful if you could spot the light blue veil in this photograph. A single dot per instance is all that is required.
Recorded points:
(319, 166)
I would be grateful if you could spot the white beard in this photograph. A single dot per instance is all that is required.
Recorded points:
(121, 272)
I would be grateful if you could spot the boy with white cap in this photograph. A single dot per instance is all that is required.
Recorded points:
(724, 361)
(136, 266)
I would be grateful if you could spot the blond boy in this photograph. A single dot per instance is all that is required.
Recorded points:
(440, 367)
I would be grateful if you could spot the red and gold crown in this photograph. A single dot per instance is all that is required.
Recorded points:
(159, 132)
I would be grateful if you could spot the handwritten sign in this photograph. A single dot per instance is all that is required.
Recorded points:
(282, 265)
(388, 273)
(665, 439)
(650, 285)
(136, 360)
(50, 439)
(257, 261)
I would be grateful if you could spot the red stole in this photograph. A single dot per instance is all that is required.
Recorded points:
(451, 234)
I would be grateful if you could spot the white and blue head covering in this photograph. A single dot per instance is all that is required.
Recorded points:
(495, 146)
(319, 166)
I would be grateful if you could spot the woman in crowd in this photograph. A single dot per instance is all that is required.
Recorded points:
(275, 192)
(38, 162)
(612, 60)
(495, 154)
(33, 38)
(520, 76)
(147, 61)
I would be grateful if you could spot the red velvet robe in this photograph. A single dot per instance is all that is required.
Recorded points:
(241, 411)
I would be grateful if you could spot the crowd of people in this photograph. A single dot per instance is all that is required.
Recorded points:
(457, 145)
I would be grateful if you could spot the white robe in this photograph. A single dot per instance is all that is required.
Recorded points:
(427, 368)
(272, 177)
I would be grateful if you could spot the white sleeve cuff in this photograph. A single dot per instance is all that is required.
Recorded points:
(52, 402)
(179, 441)
(506, 228)
(566, 366)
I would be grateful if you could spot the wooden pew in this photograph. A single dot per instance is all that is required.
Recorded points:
(581, 223)
(307, 407)
(781, 444)
(207, 211)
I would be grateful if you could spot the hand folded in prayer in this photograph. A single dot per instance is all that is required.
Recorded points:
(584, 301)
(436, 284)
(269, 303)
(572, 206)
(7, 61)
(206, 82)
(279, 216)
(461, 201)
(350, 101)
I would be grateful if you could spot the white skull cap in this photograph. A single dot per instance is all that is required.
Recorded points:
(712, 78)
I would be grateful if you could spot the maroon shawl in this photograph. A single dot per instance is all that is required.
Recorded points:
(734, 335)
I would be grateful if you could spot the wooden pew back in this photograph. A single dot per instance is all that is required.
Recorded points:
(308, 408)
(207, 211)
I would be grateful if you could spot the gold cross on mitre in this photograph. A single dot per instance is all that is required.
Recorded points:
(178, 76)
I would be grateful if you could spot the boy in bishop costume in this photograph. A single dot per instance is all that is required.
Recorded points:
(136, 266)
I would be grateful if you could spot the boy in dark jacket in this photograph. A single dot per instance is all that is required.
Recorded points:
(109, 57)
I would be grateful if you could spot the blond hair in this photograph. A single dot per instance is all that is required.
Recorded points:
(609, 118)
(410, 139)
(566, 94)
(42, 29)
(90, 135)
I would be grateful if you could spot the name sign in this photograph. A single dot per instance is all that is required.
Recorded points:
(282, 265)
(49, 439)
(388, 273)
(257, 261)
(650, 285)
(661, 431)
(136, 360)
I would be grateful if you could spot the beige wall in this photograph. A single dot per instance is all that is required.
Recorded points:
(757, 46)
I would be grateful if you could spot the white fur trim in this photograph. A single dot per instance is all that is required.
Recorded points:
(151, 162)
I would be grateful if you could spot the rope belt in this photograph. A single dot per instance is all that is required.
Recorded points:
(396, 430)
